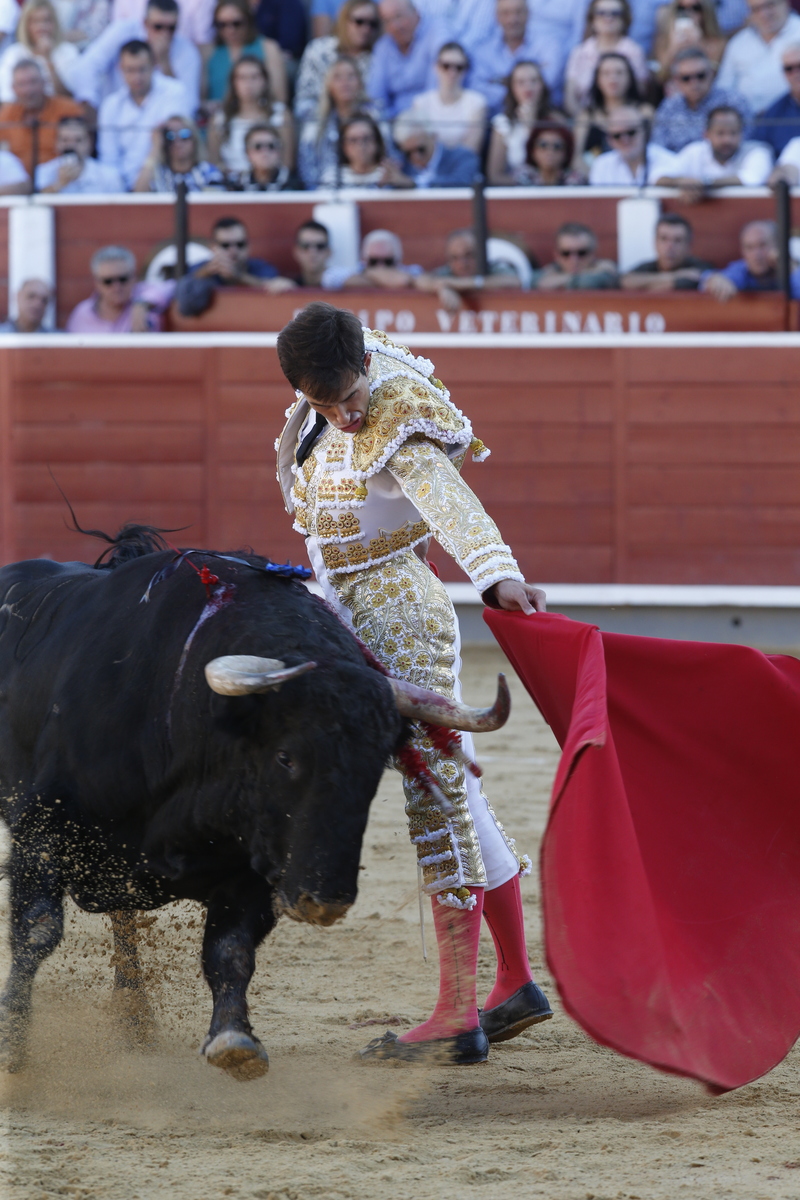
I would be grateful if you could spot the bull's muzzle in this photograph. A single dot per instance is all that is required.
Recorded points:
(312, 911)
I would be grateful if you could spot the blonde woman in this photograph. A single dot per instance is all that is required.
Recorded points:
(343, 96)
(175, 158)
(248, 102)
(39, 37)
(687, 23)
(357, 28)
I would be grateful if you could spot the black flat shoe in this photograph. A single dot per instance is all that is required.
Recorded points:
(528, 1006)
(465, 1048)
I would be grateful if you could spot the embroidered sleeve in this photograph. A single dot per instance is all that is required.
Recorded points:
(454, 513)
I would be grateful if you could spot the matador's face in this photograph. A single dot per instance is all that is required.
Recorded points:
(348, 413)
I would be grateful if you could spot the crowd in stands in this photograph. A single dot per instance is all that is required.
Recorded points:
(269, 95)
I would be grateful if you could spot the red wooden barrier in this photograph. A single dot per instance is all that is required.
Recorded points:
(678, 464)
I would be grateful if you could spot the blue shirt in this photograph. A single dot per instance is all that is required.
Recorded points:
(779, 123)
(449, 166)
(492, 61)
(739, 274)
(396, 78)
(676, 124)
(193, 296)
(98, 71)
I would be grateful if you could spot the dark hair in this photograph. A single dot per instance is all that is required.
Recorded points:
(321, 351)
(227, 223)
(230, 105)
(510, 104)
(724, 110)
(262, 127)
(316, 226)
(627, 17)
(73, 119)
(249, 24)
(575, 229)
(550, 127)
(671, 218)
(687, 54)
(164, 6)
(455, 46)
(632, 95)
(360, 118)
(136, 46)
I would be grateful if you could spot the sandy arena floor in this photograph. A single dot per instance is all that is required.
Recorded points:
(550, 1115)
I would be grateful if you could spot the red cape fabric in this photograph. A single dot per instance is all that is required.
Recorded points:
(671, 861)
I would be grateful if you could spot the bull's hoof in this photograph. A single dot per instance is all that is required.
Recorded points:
(241, 1055)
(13, 1039)
(135, 1018)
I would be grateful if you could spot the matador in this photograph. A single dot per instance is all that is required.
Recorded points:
(369, 465)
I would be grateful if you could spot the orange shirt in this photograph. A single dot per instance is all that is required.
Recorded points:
(19, 135)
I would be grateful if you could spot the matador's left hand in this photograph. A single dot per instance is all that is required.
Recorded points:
(516, 597)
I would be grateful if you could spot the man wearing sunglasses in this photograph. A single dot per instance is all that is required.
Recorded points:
(230, 265)
(631, 161)
(119, 304)
(779, 123)
(681, 117)
(311, 252)
(576, 264)
(751, 64)
(381, 265)
(174, 56)
(428, 162)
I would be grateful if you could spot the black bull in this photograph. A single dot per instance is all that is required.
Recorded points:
(126, 782)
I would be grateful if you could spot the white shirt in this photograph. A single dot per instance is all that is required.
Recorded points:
(195, 17)
(11, 169)
(97, 71)
(611, 170)
(95, 178)
(753, 67)
(752, 163)
(459, 124)
(125, 127)
(65, 58)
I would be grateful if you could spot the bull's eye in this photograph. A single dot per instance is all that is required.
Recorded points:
(284, 760)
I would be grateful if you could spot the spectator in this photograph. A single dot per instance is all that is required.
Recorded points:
(265, 171)
(194, 17)
(607, 25)
(236, 36)
(613, 90)
(427, 162)
(674, 268)
(527, 102)
(248, 102)
(381, 265)
(457, 115)
(362, 159)
(549, 154)
(175, 57)
(118, 304)
(32, 301)
(576, 263)
(731, 15)
(687, 25)
(175, 158)
(33, 117)
(14, 179)
(343, 96)
(73, 171)
(229, 266)
(514, 38)
(357, 29)
(39, 39)
(681, 118)
(460, 273)
(284, 23)
(718, 160)
(756, 270)
(311, 252)
(630, 163)
(82, 21)
(128, 117)
(403, 58)
(751, 64)
(780, 122)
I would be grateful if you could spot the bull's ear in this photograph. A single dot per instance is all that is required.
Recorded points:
(244, 674)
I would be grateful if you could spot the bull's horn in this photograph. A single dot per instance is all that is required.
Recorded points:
(421, 705)
(243, 674)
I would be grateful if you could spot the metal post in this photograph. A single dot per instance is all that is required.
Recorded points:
(181, 228)
(479, 223)
(34, 152)
(783, 221)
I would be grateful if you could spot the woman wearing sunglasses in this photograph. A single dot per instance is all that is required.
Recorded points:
(357, 28)
(236, 36)
(548, 158)
(607, 25)
(457, 115)
(175, 158)
(248, 102)
(682, 24)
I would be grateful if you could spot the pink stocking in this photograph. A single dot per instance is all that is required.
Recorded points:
(502, 908)
(457, 934)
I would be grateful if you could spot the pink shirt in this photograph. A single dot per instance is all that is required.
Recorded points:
(195, 17)
(84, 318)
